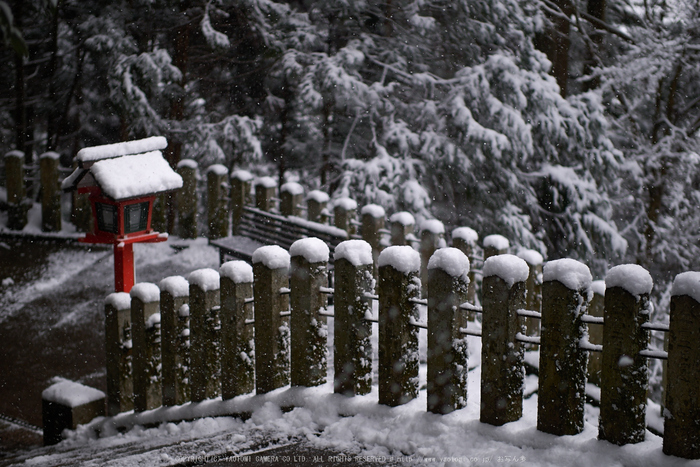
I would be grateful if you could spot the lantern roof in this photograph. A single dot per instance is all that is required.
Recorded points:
(122, 174)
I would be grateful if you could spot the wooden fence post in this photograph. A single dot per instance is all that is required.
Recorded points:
(187, 198)
(272, 335)
(145, 333)
(502, 371)
(465, 239)
(595, 331)
(217, 201)
(174, 317)
(316, 206)
(495, 245)
(16, 192)
(51, 192)
(291, 196)
(682, 413)
(432, 237)
(265, 190)
(624, 377)
(237, 351)
(345, 213)
(373, 217)
(533, 286)
(402, 227)
(240, 196)
(562, 369)
(399, 284)
(353, 346)
(205, 335)
(448, 281)
(118, 344)
(309, 328)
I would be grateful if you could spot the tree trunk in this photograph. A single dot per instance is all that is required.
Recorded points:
(555, 44)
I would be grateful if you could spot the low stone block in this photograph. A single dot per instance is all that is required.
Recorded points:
(67, 404)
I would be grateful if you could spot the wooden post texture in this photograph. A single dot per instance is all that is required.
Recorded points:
(291, 196)
(595, 332)
(241, 181)
(373, 217)
(118, 344)
(205, 339)
(16, 192)
(187, 198)
(402, 226)
(217, 201)
(265, 190)
(345, 214)
(448, 282)
(465, 239)
(145, 333)
(51, 192)
(316, 206)
(533, 294)
(432, 237)
(495, 245)
(174, 317)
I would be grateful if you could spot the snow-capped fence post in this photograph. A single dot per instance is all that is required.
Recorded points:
(187, 199)
(217, 201)
(402, 225)
(50, 192)
(624, 375)
(373, 217)
(399, 286)
(291, 196)
(67, 404)
(205, 335)
(345, 214)
(237, 365)
(432, 237)
(504, 290)
(353, 348)
(271, 274)
(465, 239)
(241, 181)
(533, 286)
(175, 338)
(118, 344)
(682, 413)
(595, 331)
(308, 327)
(265, 190)
(495, 245)
(145, 334)
(16, 192)
(448, 283)
(316, 204)
(562, 368)
(159, 214)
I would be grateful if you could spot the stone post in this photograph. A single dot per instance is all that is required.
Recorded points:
(16, 192)
(373, 217)
(291, 196)
(448, 283)
(241, 181)
(265, 190)
(217, 201)
(65, 405)
(402, 226)
(624, 376)
(51, 192)
(237, 351)
(118, 344)
(353, 346)
(533, 297)
(595, 331)
(175, 330)
(187, 198)
(495, 245)
(345, 213)
(272, 339)
(309, 329)
(432, 237)
(399, 283)
(465, 239)
(145, 333)
(682, 414)
(205, 331)
(562, 369)
(502, 371)
(316, 206)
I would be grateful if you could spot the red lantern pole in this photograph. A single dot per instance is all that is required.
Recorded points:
(123, 267)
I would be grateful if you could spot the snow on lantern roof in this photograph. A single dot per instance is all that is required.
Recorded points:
(126, 148)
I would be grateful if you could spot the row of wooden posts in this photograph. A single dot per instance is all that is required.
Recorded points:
(243, 329)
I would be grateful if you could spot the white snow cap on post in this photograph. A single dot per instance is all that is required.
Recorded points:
(403, 258)
(531, 257)
(272, 256)
(631, 277)
(510, 268)
(188, 163)
(373, 210)
(687, 283)
(314, 250)
(318, 196)
(598, 287)
(496, 241)
(242, 175)
(239, 272)
(346, 203)
(218, 169)
(357, 252)
(403, 218)
(176, 286)
(207, 279)
(267, 182)
(293, 188)
(452, 261)
(71, 394)
(119, 300)
(573, 274)
(146, 292)
(467, 234)
(432, 226)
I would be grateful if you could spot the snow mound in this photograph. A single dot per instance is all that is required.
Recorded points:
(293, 188)
(314, 250)
(598, 287)
(687, 283)
(242, 175)
(218, 169)
(432, 226)
(499, 242)
(188, 163)
(318, 196)
(452, 261)
(403, 218)
(176, 286)
(146, 292)
(531, 257)
(119, 300)
(357, 252)
(71, 394)
(373, 210)
(239, 272)
(631, 277)
(573, 274)
(403, 258)
(267, 182)
(467, 234)
(206, 278)
(347, 204)
(272, 256)
(510, 268)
